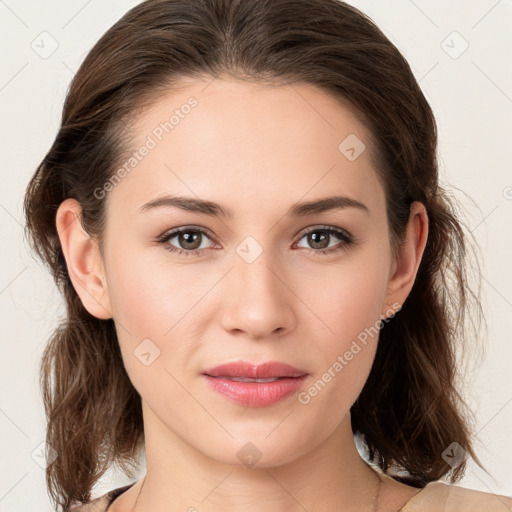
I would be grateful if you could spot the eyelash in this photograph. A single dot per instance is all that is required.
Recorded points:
(346, 239)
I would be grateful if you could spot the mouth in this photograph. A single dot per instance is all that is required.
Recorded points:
(242, 371)
(255, 392)
(248, 379)
(253, 385)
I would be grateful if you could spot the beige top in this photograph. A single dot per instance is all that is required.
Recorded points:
(441, 497)
(434, 497)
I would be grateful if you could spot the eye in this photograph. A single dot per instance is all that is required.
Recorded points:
(190, 240)
(320, 237)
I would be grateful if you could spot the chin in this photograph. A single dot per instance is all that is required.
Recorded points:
(260, 452)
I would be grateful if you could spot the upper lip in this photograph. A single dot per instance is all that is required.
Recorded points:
(249, 370)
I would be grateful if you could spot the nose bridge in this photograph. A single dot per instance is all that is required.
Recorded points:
(253, 266)
(259, 302)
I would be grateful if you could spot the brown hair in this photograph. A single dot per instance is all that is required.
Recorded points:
(409, 411)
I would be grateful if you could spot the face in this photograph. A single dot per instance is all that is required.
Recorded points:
(267, 281)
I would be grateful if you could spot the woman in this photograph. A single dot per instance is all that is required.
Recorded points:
(243, 213)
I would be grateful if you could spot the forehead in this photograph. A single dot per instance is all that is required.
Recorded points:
(247, 144)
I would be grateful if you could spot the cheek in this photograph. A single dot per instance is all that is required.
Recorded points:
(152, 300)
(148, 296)
(347, 303)
(136, 302)
(347, 298)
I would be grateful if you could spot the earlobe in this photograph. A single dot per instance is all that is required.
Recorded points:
(409, 256)
(83, 260)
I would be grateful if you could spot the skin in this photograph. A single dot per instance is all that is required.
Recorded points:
(256, 150)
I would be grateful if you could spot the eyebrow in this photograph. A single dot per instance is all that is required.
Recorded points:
(192, 204)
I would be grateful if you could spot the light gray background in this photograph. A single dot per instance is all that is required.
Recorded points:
(470, 92)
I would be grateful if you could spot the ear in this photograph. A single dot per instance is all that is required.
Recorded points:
(405, 266)
(83, 260)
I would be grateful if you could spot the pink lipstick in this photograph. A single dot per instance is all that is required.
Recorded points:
(255, 385)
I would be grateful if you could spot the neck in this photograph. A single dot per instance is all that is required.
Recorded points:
(328, 477)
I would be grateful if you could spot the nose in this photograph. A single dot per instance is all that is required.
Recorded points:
(259, 301)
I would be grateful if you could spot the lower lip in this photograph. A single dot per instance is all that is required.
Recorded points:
(255, 394)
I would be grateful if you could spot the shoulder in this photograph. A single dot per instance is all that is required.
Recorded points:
(441, 497)
(100, 504)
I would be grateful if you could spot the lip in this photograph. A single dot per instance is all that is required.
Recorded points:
(255, 394)
(262, 371)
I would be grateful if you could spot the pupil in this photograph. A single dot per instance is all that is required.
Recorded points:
(185, 238)
(314, 239)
